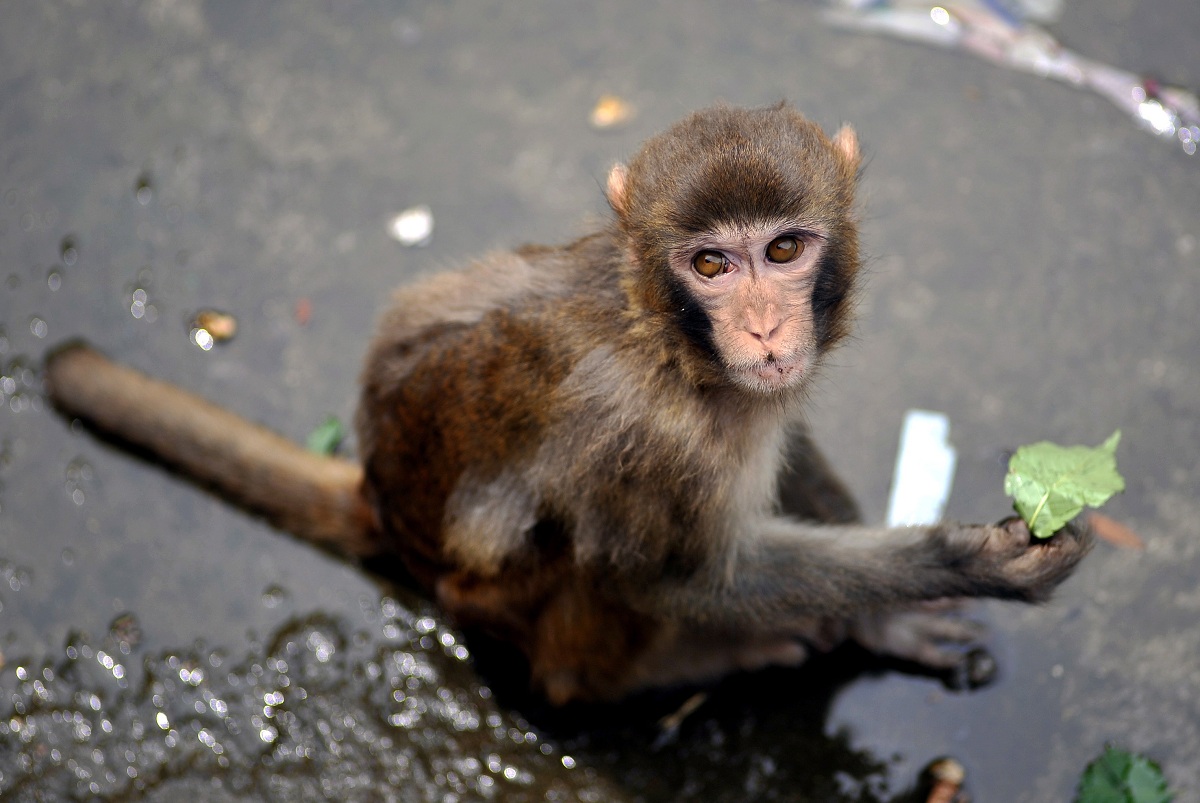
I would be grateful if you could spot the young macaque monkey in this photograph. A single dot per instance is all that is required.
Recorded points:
(580, 449)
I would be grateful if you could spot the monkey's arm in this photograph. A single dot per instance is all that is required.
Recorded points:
(311, 496)
(789, 572)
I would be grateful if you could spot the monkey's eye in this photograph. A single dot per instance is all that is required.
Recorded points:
(709, 263)
(784, 249)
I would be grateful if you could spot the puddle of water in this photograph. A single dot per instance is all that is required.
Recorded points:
(320, 710)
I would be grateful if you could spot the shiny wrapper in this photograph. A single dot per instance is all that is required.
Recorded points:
(1004, 33)
(209, 327)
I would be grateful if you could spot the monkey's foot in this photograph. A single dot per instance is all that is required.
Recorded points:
(933, 636)
(761, 653)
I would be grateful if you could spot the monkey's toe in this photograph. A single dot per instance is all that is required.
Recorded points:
(975, 669)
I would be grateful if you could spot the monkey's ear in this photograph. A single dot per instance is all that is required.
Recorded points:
(845, 142)
(616, 189)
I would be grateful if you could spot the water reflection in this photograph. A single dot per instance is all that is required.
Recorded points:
(393, 708)
(317, 713)
(19, 384)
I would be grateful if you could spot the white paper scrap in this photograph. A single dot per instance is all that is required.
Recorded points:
(412, 227)
(924, 470)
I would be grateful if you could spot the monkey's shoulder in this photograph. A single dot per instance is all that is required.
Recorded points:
(510, 281)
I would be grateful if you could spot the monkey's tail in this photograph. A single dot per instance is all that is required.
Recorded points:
(314, 497)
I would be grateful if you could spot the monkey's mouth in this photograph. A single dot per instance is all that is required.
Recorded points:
(772, 373)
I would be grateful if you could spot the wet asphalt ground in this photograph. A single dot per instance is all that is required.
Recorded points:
(1034, 274)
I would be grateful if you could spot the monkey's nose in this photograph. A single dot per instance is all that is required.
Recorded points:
(763, 327)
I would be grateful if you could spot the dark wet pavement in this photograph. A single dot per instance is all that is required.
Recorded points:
(1035, 272)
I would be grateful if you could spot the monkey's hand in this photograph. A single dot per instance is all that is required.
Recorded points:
(1016, 565)
(934, 635)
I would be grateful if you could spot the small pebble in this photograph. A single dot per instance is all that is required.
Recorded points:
(609, 112)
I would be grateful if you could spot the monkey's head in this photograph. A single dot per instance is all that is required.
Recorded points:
(741, 241)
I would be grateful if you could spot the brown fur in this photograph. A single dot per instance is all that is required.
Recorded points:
(580, 449)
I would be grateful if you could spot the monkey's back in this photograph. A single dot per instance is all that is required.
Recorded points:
(512, 401)
(460, 404)
(455, 386)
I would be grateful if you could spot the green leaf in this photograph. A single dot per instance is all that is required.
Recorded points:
(1118, 776)
(1146, 782)
(1051, 484)
(328, 435)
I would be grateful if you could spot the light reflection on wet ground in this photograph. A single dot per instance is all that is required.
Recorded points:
(389, 707)
(323, 710)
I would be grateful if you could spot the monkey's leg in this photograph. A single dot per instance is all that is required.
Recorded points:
(809, 488)
(684, 654)
(308, 495)
(929, 634)
(673, 655)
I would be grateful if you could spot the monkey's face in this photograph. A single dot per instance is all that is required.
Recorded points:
(740, 233)
(755, 285)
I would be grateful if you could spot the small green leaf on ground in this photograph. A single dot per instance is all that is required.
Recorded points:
(328, 435)
(1118, 776)
(1051, 484)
